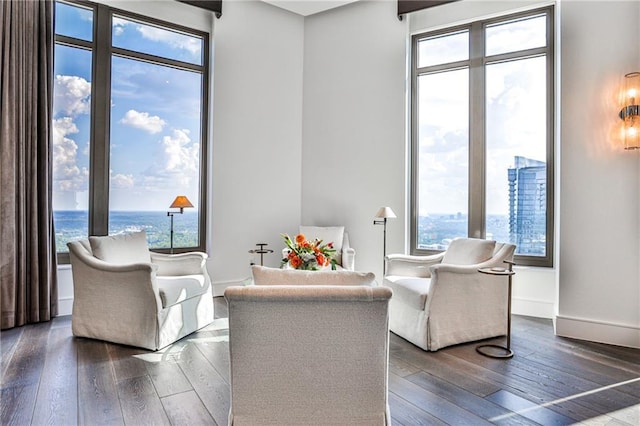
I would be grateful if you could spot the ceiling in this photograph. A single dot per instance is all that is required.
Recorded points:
(308, 7)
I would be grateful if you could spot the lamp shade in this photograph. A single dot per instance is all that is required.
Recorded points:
(630, 113)
(385, 213)
(181, 202)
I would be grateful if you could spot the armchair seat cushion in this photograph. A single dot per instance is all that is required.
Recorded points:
(175, 289)
(412, 291)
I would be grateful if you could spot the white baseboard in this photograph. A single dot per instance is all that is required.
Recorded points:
(65, 306)
(598, 331)
(533, 308)
(219, 286)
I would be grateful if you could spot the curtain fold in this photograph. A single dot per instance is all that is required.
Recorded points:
(28, 271)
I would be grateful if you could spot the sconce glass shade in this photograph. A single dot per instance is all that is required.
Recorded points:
(385, 213)
(181, 202)
(631, 110)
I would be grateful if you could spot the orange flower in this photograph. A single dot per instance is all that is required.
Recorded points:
(295, 262)
(320, 259)
(300, 239)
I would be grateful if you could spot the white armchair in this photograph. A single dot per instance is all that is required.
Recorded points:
(123, 293)
(345, 255)
(443, 300)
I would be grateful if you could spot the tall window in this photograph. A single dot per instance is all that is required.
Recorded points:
(482, 135)
(130, 108)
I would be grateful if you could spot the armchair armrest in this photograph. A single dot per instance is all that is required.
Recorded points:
(349, 259)
(411, 266)
(285, 252)
(190, 263)
(105, 292)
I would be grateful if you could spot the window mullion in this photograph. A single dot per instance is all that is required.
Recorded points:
(100, 129)
(476, 224)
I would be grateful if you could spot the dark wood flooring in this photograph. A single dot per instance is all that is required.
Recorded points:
(50, 377)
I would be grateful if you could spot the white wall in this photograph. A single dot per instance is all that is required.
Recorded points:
(255, 193)
(353, 152)
(599, 288)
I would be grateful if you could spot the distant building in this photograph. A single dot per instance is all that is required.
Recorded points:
(528, 205)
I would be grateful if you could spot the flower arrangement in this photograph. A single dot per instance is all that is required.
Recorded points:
(308, 255)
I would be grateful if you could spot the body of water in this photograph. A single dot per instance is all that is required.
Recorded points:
(71, 225)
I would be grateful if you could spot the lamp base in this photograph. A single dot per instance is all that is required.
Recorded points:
(495, 351)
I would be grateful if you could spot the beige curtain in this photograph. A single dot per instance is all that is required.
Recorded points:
(27, 243)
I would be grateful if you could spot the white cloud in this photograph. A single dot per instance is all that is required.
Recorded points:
(178, 162)
(122, 181)
(173, 39)
(72, 95)
(142, 120)
(181, 156)
(67, 175)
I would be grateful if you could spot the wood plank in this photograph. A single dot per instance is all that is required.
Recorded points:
(405, 413)
(551, 379)
(22, 376)
(528, 409)
(221, 310)
(432, 403)
(8, 340)
(125, 361)
(186, 381)
(460, 373)
(467, 400)
(98, 402)
(187, 409)
(57, 399)
(167, 377)
(210, 386)
(508, 377)
(140, 402)
(214, 346)
(401, 368)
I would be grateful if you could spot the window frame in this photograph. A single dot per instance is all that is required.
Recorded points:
(100, 129)
(477, 64)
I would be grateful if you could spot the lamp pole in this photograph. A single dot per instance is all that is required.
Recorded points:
(381, 219)
(171, 233)
(383, 222)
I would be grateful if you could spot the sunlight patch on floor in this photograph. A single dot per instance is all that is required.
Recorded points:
(630, 415)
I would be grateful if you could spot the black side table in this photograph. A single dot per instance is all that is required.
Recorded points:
(502, 351)
(261, 251)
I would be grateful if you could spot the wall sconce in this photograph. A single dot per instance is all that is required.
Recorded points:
(630, 113)
(381, 217)
(181, 202)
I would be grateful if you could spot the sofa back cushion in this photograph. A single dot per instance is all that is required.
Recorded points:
(263, 275)
(121, 249)
(468, 251)
(328, 234)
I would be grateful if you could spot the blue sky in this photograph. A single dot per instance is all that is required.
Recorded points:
(155, 117)
(515, 116)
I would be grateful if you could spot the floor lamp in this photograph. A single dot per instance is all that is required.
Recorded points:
(181, 202)
(381, 217)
